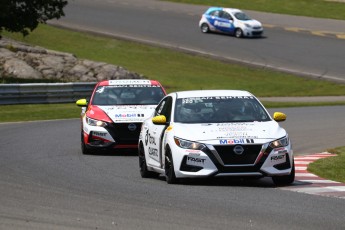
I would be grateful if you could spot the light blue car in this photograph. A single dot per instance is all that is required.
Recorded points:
(230, 21)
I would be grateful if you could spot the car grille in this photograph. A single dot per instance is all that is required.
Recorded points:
(122, 134)
(229, 157)
(256, 33)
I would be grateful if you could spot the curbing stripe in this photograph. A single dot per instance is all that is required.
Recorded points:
(306, 182)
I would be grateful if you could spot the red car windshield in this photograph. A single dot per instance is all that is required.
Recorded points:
(128, 95)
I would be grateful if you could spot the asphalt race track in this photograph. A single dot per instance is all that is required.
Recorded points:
(46, 183)
(176, 25)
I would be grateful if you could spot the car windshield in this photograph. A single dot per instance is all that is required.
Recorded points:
(127, 95)
(219, 110)
(242, 16)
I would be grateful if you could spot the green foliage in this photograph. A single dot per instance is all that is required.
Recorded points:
(24, 15)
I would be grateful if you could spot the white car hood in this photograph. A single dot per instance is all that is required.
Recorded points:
(249, 132)
(128, 113)
(252, 22)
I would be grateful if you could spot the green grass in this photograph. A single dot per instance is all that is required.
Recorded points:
(178, 71)
(332, 168)
(15, 113)
(310, 8)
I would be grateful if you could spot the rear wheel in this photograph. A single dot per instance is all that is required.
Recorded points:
(144, 172)
(238, 33)
(205, 28)
(285, 180)
(169, 168)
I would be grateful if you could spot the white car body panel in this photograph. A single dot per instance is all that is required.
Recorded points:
(213, 161)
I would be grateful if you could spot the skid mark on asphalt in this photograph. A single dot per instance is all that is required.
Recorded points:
(307, 182)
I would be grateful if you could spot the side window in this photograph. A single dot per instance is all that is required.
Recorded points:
(226, 15)
(164, 108)
(215, 13)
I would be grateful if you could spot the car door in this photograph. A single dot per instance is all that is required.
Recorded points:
(222, 21)
(155, 133)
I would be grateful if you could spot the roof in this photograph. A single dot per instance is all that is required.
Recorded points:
(213, 8)
(212, 93)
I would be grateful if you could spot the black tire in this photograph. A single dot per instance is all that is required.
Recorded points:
(169, 168)
(84, 149)
(285, 180)
(144, 172)
(205, 28)
(238, 33)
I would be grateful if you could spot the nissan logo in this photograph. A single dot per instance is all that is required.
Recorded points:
(238, 149)
(132, 127)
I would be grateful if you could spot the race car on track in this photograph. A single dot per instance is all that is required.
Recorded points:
(113, 116)
(230, 21)
(215, 133)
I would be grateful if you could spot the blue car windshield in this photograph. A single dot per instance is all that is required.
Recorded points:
(219, 110)
(127, 95)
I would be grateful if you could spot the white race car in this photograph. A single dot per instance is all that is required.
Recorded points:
(215, 133)
(113, 116)
(230, 21)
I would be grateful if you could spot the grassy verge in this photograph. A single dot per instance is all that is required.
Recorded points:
(310, 8)
(178, 71)
(15, 113)
(332, 167)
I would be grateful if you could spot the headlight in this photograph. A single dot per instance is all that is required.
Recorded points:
(94, 122)
(247, 25)
(280, 142)
(189, 144)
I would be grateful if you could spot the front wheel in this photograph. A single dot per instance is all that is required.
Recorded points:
(84, 149)
(238, 33)
(205, 28)
(144, 172)
(169, 168)
(285, 180)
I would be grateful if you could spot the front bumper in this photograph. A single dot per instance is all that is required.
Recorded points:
(257, 160)
(114, 135)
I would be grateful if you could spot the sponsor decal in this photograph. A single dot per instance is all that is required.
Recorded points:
(129, 82)
(153, 152)
(281, 150)
(278, 159)
(195, 161)
(125, 115)
(100, 90)
(235, 141)
(222, 24)
(193, 152)
(149, 139)
(99, 134)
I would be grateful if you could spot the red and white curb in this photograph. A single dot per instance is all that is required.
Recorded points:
(307, 182)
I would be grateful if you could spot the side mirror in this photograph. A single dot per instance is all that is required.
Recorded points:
(159, 120)
(279, 116)
(81, 103)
